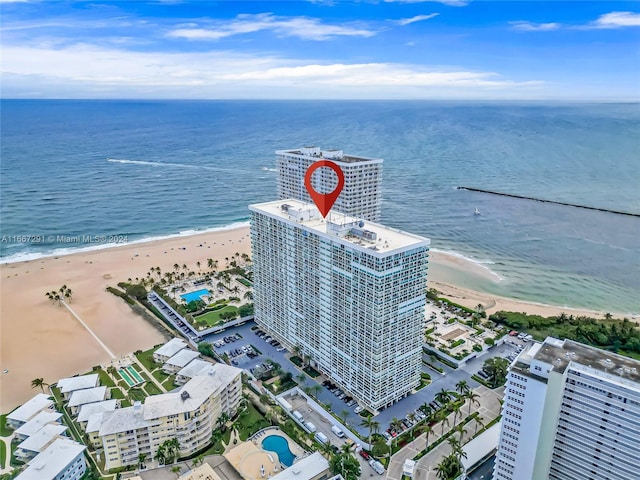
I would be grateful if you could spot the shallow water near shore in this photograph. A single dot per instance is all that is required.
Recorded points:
(157, 168)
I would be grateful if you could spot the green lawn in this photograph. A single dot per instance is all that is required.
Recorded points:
(125, 403)
(3, 452)
(249, 422)
(117, 394)
(213, 318)
(152, 389)
(160, 375)
(146, 358)
(105, 379)
(137, 394)
(168, 383)
(5, 431)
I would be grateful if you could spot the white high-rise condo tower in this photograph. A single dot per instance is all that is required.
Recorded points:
(349, 294)
(361, 196)
(570, 412)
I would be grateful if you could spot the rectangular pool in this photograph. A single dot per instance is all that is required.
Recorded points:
(192, 296)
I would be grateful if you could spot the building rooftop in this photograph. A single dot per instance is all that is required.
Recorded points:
(94, 422)
(481, 447)
(187, 399)
(371, 238)
(71, 384)
(119, 420)
(182, 358)
(305, 469)
(43, 437)
(317, 153)
(194, 367)
(37, 422)
(30, 408)
(190, 396)
(88, 395)
(560, 353)
(52, 461)
(223, 373)
(170, 348)
(90, 408)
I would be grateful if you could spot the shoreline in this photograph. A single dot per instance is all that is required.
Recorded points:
(41, 339)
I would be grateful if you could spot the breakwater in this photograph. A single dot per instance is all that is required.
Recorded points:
(502, 194)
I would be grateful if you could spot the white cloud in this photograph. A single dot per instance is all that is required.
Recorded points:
(417, 18)
(301, 27)
(89, 71)
(617, 20)
(606, 21)
(524, 26)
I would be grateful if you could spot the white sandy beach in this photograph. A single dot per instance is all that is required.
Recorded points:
(41, 339)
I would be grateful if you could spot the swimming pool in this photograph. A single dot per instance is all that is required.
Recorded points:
(192, 296)
(278, 444)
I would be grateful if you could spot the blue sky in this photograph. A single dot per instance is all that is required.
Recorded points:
(407, 49)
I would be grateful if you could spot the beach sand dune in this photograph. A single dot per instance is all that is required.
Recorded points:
(42, 339)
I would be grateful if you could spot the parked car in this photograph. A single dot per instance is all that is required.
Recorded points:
(358, 409)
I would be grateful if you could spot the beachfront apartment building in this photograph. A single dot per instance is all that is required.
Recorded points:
(61, 460)
(25, 412)
(80, 382)
(168, 350)
(349, 294)
(188, 414)
(361, 196)
(37, 442)
(570, 412)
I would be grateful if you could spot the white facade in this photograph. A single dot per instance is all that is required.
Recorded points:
(62, 460)
(361, 196)
(188, 414)
(350, 295)
(570, 412)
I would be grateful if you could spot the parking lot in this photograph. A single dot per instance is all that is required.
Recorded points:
(338, 406)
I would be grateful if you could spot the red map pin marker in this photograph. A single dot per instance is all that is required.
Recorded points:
(324, 201)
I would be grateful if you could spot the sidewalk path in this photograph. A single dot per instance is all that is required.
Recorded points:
(105, 348)
(488, 409)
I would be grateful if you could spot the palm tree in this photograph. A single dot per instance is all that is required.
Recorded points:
(461, 430)
(444, 418)
(343, 415)
(173, 448)
(222, 421)
(427, 410)
(248, 295)
(301, 378)
(141, 458)
(479, 421)
(176, 469)
(112, 370)
(473, 398)
(443, 397)
(428, 430)
(297, 349)
(456, 410)
(161, 455)
(316, 390)
(462, 387)
(38, 383)
(368, 423)
(412, 418)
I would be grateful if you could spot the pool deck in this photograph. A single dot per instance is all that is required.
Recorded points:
(249, 456)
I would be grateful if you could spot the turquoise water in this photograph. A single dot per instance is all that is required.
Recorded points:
(153, 169)
(278, 444)
(193, 296)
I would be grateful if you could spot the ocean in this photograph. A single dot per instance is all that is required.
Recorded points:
(88, 170)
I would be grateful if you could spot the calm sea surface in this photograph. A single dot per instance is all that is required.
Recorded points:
(156, 168)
